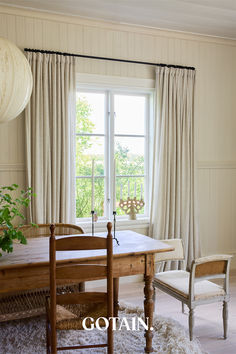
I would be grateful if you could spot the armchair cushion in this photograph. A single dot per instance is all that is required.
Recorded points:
(178, 281)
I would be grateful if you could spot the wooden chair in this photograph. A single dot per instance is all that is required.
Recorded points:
(30, 303)
(67, 311)
(195, 288)
(43, 230)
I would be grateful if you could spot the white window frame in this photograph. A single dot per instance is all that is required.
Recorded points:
(112, 89)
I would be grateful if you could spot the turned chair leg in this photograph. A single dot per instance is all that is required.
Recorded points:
(182, 307)
(225, 318)
(191, 323)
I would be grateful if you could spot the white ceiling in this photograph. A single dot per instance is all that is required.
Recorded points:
(210, 17)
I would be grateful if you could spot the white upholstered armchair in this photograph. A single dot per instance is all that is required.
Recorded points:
(195, 287)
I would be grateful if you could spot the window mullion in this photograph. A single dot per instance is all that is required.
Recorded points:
(107, 155)
(89, 134)
(129, 136)
(112, 152)
(146, 154)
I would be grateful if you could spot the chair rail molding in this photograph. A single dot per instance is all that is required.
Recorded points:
(216, 165)
(12, 167)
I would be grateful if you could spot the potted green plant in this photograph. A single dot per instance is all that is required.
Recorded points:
(11, 203)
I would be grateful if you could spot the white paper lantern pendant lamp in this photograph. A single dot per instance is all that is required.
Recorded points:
(15, 81)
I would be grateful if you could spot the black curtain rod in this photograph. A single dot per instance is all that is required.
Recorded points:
(110, 59)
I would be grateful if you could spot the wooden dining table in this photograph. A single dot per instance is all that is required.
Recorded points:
(28, 266)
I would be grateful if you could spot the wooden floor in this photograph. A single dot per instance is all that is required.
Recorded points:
(208, 318)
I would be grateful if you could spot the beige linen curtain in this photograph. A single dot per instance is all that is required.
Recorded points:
(173, 206)
(49, 127)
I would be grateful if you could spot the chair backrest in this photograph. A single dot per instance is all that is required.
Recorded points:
(176, 255)
(43, 230)
(210, 267)
(73, 273)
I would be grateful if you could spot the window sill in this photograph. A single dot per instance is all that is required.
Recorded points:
(100, 226)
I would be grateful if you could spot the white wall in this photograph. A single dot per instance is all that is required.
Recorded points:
(215, 104)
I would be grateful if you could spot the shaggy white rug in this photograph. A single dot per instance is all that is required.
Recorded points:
(28, 337)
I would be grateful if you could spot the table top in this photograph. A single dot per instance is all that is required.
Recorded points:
(36, 252)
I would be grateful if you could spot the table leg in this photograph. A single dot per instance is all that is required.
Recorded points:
(116, 296)
(148, 311)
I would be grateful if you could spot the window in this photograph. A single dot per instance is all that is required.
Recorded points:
(111, 125)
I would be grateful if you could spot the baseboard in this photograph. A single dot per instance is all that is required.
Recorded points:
(233, 262)
(139, 278)
(123, 280)
(12, 167)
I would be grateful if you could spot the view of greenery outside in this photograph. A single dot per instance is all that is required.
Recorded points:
(128, 164)
(90, 147)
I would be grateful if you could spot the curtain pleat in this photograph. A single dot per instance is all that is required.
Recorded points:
(49, 126)
(173, 206)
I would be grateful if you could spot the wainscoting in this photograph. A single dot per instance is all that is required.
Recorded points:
(215, 104)
(217, 207)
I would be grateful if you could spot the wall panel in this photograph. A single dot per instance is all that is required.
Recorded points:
(215, 103)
